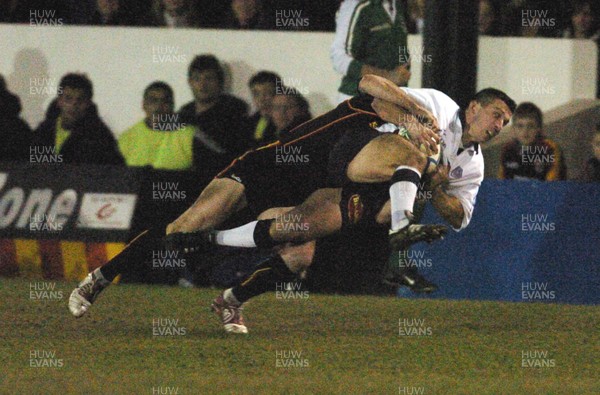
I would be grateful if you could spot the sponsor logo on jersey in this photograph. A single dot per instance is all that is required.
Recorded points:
(456, 173)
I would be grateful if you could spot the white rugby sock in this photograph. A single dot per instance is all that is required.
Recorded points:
(403, 192)
(242, 236)
(230, 297)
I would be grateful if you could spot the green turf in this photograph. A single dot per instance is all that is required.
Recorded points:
(342, 344)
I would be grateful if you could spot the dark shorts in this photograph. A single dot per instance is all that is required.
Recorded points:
(287, 171)
(361, 203)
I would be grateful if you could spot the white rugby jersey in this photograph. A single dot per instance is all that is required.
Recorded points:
(466, 169)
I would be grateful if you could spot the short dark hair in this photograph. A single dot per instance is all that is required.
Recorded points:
(264, 77)
(207, 62)
(529, 110)
(488, 95)
(298, 98)
(156, 85)
(77, 81)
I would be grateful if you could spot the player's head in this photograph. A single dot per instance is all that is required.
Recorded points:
(527, 122)
(488, 112)
(289, 109)
(206, 78)
(263, 86)
(75, 93)
(158, 99)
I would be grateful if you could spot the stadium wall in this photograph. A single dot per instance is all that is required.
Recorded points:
(123, 61)
(527, 242)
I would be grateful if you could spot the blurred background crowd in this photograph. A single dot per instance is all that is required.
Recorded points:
(570, 18)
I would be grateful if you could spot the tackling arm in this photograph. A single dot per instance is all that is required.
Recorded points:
(386, 90)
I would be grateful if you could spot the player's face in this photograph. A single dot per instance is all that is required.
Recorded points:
(157, 102)
(262, 96)
(526, 129)
(596, 145)
(485, 121)
(205, 85)
(73, 105)
(284, 111)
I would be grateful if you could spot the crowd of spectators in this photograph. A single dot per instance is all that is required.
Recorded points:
(194, 136)
(529, 18)
(204, 135)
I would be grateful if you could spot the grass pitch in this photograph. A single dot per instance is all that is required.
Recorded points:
(141, 339)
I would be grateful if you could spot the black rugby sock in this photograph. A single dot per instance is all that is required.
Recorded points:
(134, 253)
(264, 278)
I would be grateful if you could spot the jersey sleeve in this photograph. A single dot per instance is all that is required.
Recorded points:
(466, 189)
(441, 105)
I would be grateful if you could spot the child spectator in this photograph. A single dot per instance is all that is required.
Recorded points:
(531, 155)
(263, 86)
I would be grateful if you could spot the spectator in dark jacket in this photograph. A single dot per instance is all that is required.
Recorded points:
(221, 119)
(15, 134)
(72, 128)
